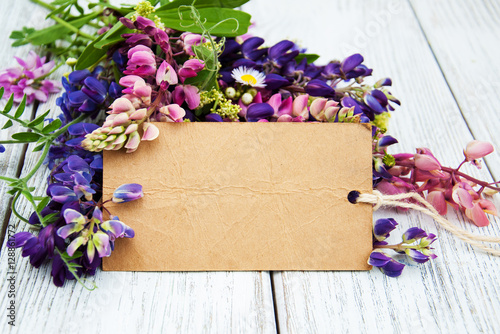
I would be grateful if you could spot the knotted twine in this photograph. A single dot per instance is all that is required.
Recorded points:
(399, 200)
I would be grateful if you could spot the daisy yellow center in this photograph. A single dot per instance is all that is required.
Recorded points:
(249, 78)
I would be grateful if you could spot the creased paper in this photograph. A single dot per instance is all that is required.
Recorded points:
(245, 196)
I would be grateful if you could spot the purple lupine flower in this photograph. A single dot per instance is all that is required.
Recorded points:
(258, 111)
(2, 148)
(317, 87)
(412, 234)
(383, 227)
(29, 80)
(282, 52)
(250, 48)
(213, 118)
(127, 192)
(387, 265)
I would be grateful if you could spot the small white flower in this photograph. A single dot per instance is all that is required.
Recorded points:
(249, 76)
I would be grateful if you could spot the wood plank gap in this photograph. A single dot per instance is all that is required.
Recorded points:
(20, 166)
(485, 161)
(275, 303)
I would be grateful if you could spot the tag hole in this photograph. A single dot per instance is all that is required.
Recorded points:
(353, 196)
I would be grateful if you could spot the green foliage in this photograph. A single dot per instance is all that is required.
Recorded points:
(311, 58)
(218, 21)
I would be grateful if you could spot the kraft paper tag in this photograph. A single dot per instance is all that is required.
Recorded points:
(245, 196)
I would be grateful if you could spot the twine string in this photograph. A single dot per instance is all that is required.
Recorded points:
(400, 200)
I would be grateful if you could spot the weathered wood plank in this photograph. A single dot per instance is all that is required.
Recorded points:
(131, 302)
(464, 37)
(459, 291)
(13, 155)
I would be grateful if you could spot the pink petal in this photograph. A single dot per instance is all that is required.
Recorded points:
(121, 105)
(462, 197)
(317, 107)
(138, 114)
(284, 118)
(477, 215)
(286, 107)
(275, 102)
(299, 106)
(133, 142)
(426, 162)
(192, 96)
(151, 132)
(166, 73)
(477, 149)
(436, 198)
(129, 80)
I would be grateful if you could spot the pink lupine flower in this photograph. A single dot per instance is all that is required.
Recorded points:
(299, 107)
(281, 107)
(166, 73)
(141, 61)
(190, 69)
(462, 195)
(191, 39)
(29, 79)
(138, 87)
(323, 109)
(479, 210)
(188, 94)
(151, 131)
(438, 201)
(477, 149)
(174, 112)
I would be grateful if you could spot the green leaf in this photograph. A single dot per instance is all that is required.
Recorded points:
(165, 4)
(38, 120)
(20, 109)
(50, 218)
(90, 55)
(1, 92)
(26, 137)
(58, 31)
(52, 126)
(309, 56)
(211, 16)
(63, 5)
(9, 104)
(7, 125)
(202, 80)
(205, 54)
(43, 203)
(16, 34)
(39, 147)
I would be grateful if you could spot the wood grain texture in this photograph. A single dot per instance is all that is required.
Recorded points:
(14, 154)
(217, 302)
(459, 291)
(464, 38)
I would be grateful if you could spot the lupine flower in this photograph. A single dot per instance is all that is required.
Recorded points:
(29, 79)
(189, 40)
(387, 265)
(190, 69)
(477, 149)
(141, 61)
(258, 111)
(383, 227)
(127, 192)
(188, 94)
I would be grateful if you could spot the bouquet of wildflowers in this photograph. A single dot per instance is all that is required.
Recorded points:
(180, 61)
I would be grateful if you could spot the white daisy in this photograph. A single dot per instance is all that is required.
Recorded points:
(249, 76)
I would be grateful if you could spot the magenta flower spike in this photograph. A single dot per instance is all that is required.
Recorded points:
(29, 79)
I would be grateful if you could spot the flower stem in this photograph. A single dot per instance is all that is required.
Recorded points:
(14, 211)
(72, 28)
(44, 4)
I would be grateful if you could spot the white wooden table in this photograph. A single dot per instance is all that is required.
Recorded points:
(444, 59)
